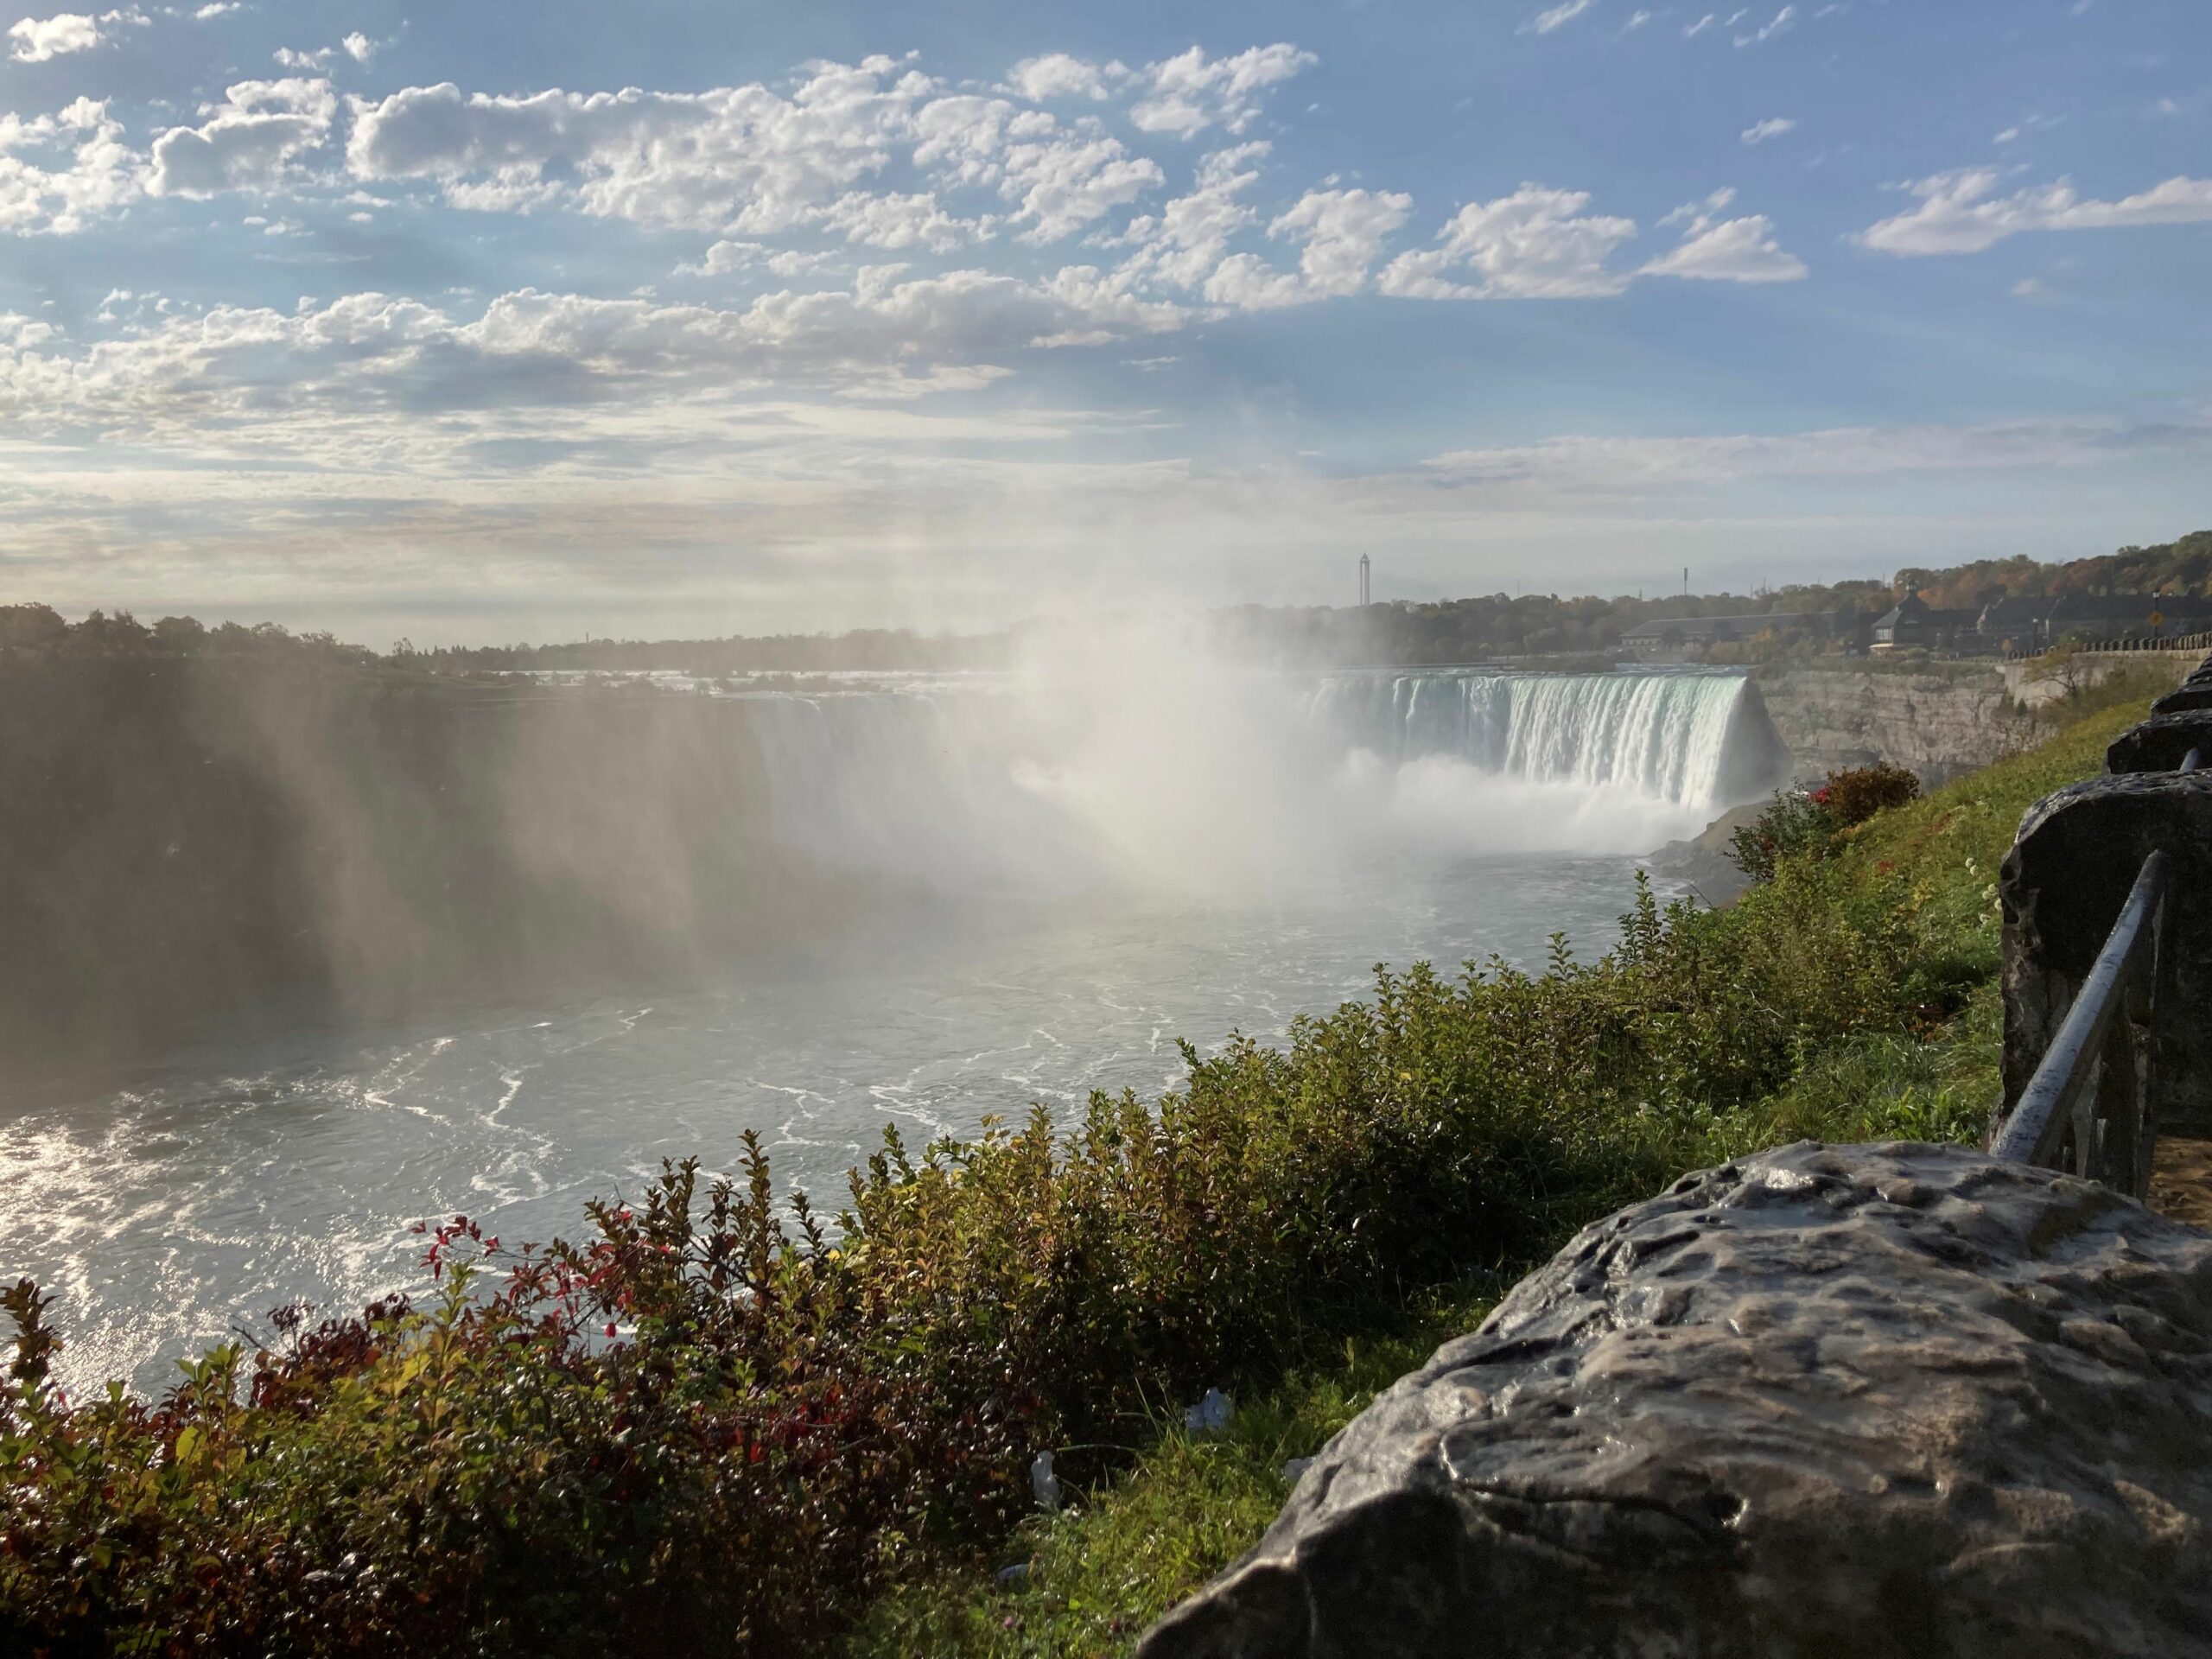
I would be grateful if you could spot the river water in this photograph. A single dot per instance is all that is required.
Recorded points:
(166, 1208)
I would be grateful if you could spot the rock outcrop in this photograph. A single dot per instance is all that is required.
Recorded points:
(2163, 742)
(1703, 860)
(1939, 724)
(1828, 1401)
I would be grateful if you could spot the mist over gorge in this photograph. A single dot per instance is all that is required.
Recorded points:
(369, 846)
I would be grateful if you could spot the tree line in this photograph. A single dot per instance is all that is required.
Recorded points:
(1403, 631)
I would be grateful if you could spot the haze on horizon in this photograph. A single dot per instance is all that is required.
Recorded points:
(513, 322)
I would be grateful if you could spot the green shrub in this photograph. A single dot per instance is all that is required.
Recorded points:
(1857, 793)
(1795, 823)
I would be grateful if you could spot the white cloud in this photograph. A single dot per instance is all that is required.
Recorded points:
(724, 257)
(1190, 236)
(1961, 213)
(36, 40)
(359, 47)
(1185, 94)
(249, 142)
(1063, 182)
(1060, 178)
(2007, 136)
(1637, 20)
(1535, 244)
(1730, 250)
(215, 9)
(1057, 75)
(59, 172)
(375, 353)
(1782, 20)
(1691, 31)
(1342, 234)
(1565, 12)
(20, 334)
(743, 158)
(1773, 127)
(1716, 250)
(308, 63)
(897, 221)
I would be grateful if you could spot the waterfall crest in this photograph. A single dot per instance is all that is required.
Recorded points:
(1672, 737)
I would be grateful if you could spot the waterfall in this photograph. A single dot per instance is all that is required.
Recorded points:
(1044, 783)
(1694, 739)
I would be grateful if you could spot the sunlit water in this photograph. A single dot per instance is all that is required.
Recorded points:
(165, 1209)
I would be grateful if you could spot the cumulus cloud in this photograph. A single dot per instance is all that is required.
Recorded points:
(914, 220)
(1057, 75)
(1730, 250)
(1063, 182)
(36, 40)
(1535, 244)
(59, 172)
(1716, 249)
(250, 141)
(1963, 212)
(1059, 177)
(374, 357)
(359, 47)
(742, 158)
(215, 9)
(1187, 94)
(1341, 233)
(1183, 243)
(1773, 127)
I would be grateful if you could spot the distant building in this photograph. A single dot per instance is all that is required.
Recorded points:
(2013, 623)
(2037, 624)
(1915, 625)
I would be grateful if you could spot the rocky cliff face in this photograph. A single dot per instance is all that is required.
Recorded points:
(1865, 1401)
(1939, 724)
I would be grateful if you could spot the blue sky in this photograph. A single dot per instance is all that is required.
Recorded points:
(509, 320)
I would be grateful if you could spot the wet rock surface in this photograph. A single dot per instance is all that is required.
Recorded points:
(1856, 1401)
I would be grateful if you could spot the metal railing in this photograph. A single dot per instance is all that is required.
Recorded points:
(2090, 1108)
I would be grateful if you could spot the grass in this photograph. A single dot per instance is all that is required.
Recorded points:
(1100, 1572)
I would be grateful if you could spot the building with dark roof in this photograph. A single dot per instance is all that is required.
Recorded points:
(1916, 625)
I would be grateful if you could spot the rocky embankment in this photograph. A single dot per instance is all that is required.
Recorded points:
(1941, 723)
(1830, 1400)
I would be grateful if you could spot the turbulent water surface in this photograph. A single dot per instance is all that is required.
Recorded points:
(1074, 890)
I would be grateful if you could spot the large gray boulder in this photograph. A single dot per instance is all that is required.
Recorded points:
(1829, 1401)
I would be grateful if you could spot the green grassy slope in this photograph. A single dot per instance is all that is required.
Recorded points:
(1101, 1571)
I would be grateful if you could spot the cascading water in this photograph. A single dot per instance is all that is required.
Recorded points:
(1695, 740)
(1241, 776)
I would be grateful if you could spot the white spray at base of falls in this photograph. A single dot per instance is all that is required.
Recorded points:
(1238, 780)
